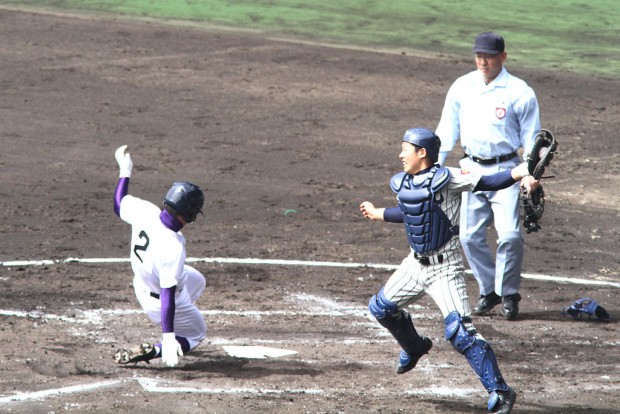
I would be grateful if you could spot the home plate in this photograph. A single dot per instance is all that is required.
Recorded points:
(256, 352)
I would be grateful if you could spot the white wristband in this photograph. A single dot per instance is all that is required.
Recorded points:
(521, 170)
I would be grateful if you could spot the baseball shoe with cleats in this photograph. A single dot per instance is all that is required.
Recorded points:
(503, 401)
(486, 303)
(408, 362)
(510, 308)
(145, 353)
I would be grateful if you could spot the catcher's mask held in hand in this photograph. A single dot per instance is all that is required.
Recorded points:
(537, 160)
(587, 309)
(533, 208)
(541, 154)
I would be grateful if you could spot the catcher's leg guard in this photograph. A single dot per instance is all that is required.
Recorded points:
(478, 352)
(399, 324)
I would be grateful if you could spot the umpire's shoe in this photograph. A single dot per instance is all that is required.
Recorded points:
(510, 308)
(486, 303)
(408, 362)
(502, 402)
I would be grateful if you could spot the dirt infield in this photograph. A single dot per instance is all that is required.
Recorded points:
(288, 139)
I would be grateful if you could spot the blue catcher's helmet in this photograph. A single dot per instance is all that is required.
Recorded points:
(426, 139)
(186, 199)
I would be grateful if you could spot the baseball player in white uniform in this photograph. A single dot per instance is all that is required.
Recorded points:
(166, 288)
(493, 114)
(429, 200)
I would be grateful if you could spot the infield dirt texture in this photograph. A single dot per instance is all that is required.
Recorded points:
(288, 139)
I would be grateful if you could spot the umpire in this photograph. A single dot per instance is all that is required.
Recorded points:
(494, 114)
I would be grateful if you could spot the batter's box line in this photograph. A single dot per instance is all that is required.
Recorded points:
(152, 385)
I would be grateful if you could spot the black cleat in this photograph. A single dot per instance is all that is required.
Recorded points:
(510, 308)
(408, 362)
(505, 402)
(486, 303)
(145, 353)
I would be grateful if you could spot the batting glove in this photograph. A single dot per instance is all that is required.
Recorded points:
(170, 349)
(124, 162)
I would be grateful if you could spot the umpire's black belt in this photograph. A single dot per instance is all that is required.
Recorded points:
(494, 160)
(428, 260)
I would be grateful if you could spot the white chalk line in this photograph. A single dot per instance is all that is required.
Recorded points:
(284, 262)
(23, 396)
(153, 385)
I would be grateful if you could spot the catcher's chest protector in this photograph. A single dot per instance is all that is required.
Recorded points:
(427, 226)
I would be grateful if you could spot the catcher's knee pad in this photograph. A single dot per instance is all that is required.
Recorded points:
(380, 307)
(476, 350)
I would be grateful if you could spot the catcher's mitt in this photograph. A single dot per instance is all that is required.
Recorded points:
(533, 208)
(542, 153)
(587, 308)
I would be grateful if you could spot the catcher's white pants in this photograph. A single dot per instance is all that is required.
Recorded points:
(188, 321)
(443, 282)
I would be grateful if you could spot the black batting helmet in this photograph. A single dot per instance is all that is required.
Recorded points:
(186, 199)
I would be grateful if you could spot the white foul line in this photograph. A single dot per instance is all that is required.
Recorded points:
(283, 262)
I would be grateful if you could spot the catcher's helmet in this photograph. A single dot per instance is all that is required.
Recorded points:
(186, 199)
(426, 139)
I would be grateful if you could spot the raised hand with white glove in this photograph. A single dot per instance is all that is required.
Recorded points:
(170, 349)
(123, 159)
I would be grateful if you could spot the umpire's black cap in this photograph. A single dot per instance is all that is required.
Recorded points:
(489, 42)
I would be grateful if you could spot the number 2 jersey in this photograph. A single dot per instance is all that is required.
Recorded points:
(157, 253)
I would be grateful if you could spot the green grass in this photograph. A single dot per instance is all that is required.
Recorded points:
(578, 36)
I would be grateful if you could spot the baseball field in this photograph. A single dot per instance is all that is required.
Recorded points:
(290, 114)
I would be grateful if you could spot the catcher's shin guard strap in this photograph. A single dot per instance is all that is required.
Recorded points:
(477, 351)
(398, 323)
(401, 327)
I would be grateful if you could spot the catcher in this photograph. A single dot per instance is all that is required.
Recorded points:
(429, 202)
(537, 160)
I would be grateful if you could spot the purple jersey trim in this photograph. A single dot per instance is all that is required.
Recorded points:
(170, 221)
(393, 215)
(494, 182)
(168, 308)
(184, 344)
(119, 193)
